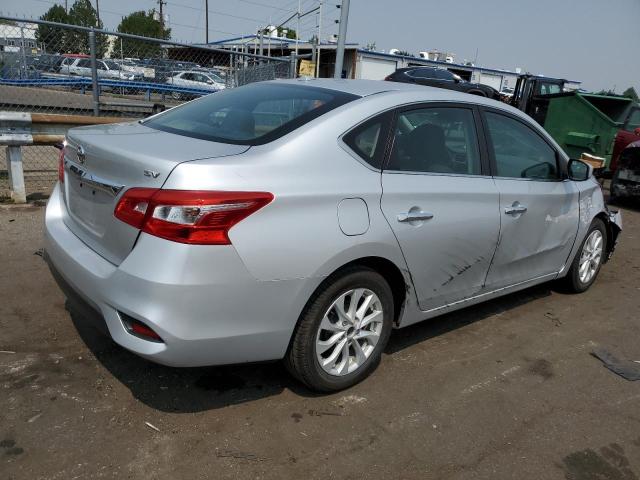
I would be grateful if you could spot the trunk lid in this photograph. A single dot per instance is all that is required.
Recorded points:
(101, 162)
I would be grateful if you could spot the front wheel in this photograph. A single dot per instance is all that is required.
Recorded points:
(586, 265)
(342, 332)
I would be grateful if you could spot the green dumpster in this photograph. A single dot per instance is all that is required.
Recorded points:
(586, 123)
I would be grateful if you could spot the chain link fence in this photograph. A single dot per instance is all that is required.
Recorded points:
(48, 67)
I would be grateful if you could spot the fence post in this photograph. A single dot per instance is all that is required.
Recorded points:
(94, 73)
(292, 66)
(16, 175)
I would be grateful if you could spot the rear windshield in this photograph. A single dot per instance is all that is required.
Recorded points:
(251, 115)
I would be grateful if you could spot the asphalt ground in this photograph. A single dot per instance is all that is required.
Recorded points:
(503, 390)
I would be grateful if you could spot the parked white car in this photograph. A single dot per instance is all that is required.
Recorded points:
(129, 65)
(197, 80)
(105, 68)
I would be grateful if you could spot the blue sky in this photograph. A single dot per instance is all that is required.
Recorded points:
(595, 41)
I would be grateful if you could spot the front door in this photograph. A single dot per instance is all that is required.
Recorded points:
(539, 212)
(440, 202)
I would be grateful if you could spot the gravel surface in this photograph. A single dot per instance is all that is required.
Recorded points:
(503, 390)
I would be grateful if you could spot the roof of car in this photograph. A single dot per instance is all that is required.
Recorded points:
(361, 88)
(364, 88)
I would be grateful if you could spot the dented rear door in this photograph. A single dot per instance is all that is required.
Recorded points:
(440, 203)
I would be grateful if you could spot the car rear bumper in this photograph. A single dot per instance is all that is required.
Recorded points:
(201, 300)
(625, 188)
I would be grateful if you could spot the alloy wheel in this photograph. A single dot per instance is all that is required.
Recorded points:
(349, 331)
(590, 257)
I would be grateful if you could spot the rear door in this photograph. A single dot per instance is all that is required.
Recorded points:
(539, 211)
(440, 201)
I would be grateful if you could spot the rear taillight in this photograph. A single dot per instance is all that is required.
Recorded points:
(188, 216)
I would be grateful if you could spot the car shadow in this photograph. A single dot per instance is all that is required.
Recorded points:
(186, 390)
(420, 332)
(189, 390)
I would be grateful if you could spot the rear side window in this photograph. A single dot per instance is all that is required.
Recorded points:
(423, 73)
(251, 115)
(368, 140)
(436, 140)
(519, 151)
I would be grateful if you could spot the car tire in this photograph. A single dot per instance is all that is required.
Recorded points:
(613, 198)
(324, 329)
(576, 280)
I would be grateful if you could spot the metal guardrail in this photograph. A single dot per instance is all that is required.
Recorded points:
(85, 83)
(19, 129)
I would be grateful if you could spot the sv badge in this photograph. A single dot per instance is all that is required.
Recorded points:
(151, 173)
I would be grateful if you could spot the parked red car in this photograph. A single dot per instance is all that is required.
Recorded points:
(626, 179)
(630, 133)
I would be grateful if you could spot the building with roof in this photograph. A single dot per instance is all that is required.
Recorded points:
(18, 38)
(362, 63)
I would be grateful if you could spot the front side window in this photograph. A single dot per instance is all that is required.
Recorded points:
(633, 121)
(436, 140)
(251, 115)
(445, 74)
(519, 151)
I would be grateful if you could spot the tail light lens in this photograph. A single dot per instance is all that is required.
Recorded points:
(199, 217)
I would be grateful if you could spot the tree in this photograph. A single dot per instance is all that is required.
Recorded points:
(609, 93)
(145, 25)
(55, 39)
(631, 93)
(82, 13)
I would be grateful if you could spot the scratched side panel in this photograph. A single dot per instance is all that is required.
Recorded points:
(449, 255)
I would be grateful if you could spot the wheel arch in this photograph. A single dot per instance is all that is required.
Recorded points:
(398, 279)
(612, 230)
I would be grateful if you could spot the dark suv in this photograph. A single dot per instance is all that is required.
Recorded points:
(439, 77)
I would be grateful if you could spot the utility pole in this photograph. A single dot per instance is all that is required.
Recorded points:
(162, 3)
(66, 6)
(206, 21)
(319, 40)
(298, 27)
(342, 36)
(97, 14)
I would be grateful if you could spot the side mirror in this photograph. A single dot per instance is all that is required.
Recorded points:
(579, 171)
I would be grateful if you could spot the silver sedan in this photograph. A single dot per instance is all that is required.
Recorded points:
(304, 220)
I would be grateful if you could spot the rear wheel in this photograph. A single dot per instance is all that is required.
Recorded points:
(586, 265)
(343, 331)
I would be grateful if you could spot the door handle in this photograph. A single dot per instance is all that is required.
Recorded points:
(515, 209)
(414, 216)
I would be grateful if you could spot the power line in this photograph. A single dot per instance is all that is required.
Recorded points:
(238, 17)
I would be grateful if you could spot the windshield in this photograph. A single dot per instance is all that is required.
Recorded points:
(251, 115)
(112, 65)
(215, 77)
